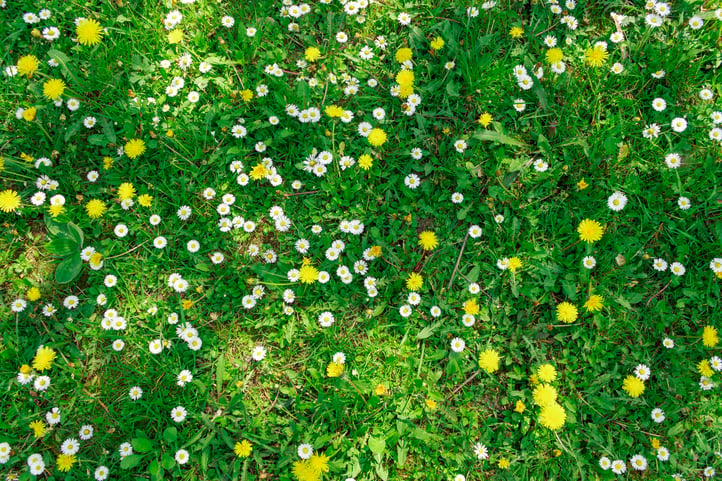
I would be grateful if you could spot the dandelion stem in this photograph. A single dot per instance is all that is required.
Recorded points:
(129, 251)
(458, 259)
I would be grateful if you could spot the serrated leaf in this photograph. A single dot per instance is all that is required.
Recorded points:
(498, 137)
(427, 332)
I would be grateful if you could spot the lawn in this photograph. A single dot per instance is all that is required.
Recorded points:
(360, 240)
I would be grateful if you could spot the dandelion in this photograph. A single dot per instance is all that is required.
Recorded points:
(243, 449)
(594, 303)
(95, 208)
(88, 31)
(596, 56)
(590, 230)
(544, 395)
(377, 137)
(65, 462)
(27, 65)
(546, 373)
(134, 148)
(53, 88)
(552, 416)
(428, 241)
(633, 386)
(44, 358)
(489, 361)
(38, 428)
(414, 282)
(554, 55)
(437, 43)
(334, 369)
(709, 336)
(567, 312)
(9, 200)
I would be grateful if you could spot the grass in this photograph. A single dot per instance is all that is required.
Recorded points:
(406, 405)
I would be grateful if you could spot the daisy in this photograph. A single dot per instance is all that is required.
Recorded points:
(657, 415)
(457, 344)
(617, 201)
(638, 462)
(642, 372)
(480, 451)
(589, 262)
(259, 353)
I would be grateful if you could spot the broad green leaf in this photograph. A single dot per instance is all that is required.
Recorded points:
(377, 445)
(142, 445)
(170, 434)
(68, 269)
(61, 247)
(130, 461)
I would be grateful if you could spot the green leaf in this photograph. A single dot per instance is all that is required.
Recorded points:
(130, 461)
(142, 445)
(220, 374)
(167, 461)
(452, 89)
(377, 445)
(498, 138)
(61, 247)
(427, 332)
(97, 139)
(170, 434)
(108, 130)
(154, 468)
(68, 269)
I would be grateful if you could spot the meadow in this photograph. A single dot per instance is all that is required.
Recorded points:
(360, 240)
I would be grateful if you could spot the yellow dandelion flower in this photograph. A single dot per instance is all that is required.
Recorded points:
(519, 407)
(503, 463)
(56, 210)
(594, 303)
(334, 369)
(428, 241)
(590, 230)
(44, 358)
(243, 448)
(88, 31)
(582, 184)
(405, 77)
(175, 36)
(258, 172)
(437, 43)
(312, 54)
(546, 373)
(633, 386)
(95, 208)
(709, 336)
(554, 55)
(544, 394)
(414, 282)
(377, 137)
(38, 428)
(145, 200)
(53, 88)
(430, 403)
(552, 416)
(308, 274)
(567, 312)
(365, 162)
(514, 264)
(33, 294)
(405, 91)
(485, 119)
(380, 390)
(134, 148)
(246, 95)
(186, 304)
(403, 54)
(29, 114)
(471, 307)
(27, 65)
(65, 462)
(126, 190)
(704, 368)
(516, 32)
(596, 56)
(108, 163)
(489, 361)
(9, 201)
(334, 111)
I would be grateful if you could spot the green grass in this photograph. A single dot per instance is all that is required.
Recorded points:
(406, 406)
